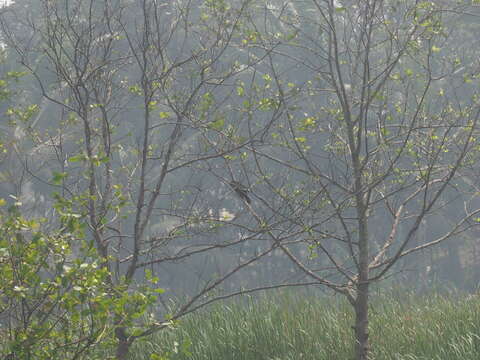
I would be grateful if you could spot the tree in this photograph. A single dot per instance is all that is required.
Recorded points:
(140, 126)
(52, 305)
(378, 125)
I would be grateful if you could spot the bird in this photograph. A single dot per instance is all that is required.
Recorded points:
(241, 190)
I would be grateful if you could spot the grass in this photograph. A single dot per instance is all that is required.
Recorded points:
(284, 326)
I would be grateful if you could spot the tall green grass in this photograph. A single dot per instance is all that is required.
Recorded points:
(284, 326)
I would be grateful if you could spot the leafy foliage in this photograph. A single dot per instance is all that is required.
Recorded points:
(54, 298)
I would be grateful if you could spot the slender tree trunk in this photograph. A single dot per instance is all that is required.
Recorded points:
(361, 301)
(123, 345)
(361, 322)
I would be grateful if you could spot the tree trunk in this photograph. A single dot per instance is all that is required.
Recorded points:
(123, 345)
(361, 301)
(361, 322)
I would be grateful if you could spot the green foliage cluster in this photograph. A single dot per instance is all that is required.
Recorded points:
(57, 300)
(52, 293)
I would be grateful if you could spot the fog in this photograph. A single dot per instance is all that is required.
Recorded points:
(228, 147)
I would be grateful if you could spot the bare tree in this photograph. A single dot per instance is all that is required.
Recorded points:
(145, 127)
(378, 124)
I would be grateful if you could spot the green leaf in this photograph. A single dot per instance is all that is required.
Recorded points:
(217, 124)
(135, 89)
(240, 91)
(16, 75)
(152, 104)
(76, 158)
(58, 177)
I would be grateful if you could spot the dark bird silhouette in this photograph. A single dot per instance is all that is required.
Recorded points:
(241, 190)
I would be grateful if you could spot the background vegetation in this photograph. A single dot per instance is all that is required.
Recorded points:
(285, 326)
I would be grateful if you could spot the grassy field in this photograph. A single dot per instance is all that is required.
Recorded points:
(285, 326)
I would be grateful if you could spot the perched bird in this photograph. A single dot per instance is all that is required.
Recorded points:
(241, 190)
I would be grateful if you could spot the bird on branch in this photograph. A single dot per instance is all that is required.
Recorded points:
(241, 190)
